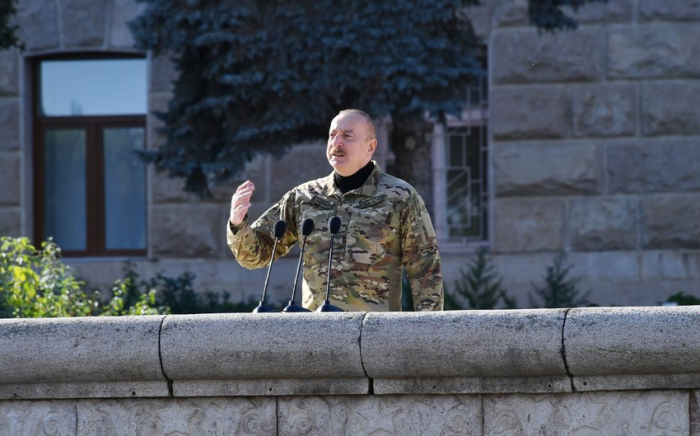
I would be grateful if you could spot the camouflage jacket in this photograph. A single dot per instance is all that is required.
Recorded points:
(384, 226)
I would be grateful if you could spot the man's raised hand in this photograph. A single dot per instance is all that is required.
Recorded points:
(240, 203)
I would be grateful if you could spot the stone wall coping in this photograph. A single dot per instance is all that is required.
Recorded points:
(452, 352)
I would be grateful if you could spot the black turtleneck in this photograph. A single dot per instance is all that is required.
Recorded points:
(346, 184)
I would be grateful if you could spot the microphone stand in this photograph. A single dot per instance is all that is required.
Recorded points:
(279, 229)
(334, 226)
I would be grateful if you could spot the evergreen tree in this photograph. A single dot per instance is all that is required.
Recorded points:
(481, 285)
(257, 76)
(558, 290)
(8, 30)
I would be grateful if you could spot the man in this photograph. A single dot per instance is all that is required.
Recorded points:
(385, 227)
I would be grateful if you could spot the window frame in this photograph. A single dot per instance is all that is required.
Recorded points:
(474, 115)
(94, 126)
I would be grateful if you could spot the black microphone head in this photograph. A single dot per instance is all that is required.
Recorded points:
(279, 229)
(307, 226)
(334, 225)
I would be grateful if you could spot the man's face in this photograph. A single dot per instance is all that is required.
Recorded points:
(350, 144)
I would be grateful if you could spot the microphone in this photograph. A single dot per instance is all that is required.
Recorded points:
(334, 227)
(279, 229)
(307, 226)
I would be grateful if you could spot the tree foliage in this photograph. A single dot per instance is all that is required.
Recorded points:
(480, 285)
(558, 290)
(257, 76)
(8, 29)
(37, 284)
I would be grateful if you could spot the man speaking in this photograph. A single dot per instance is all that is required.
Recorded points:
(385, 227)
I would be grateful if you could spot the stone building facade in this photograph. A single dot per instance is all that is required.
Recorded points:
(592, 147)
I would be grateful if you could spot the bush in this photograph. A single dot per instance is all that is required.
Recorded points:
(480, 285)
(558, 291)
(682, 299)
(179, 295)
(37, 284)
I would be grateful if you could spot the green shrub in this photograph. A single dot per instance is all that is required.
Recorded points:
(683, 299)
(37, 284)
(558, 291)
(480, 285)
(179, 294)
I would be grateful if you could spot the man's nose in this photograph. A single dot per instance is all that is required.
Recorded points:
(336, 141)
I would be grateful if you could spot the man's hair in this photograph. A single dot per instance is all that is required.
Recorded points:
(363, 114)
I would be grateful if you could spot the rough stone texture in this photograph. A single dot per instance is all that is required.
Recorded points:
(9, 124)
(442, 415)
(9, 179)
(156, 103)
(617, 11)
(529, 112)
(9, 72)
(603, 223)
(284, 176)
(527, 56)
(166, 189)
(268, 354)
(694, 413)
(188, 230)
(260, 171)
(604, 110)
(547, 168)
(483, 16)
(599, 360)
(512, 13)
(525, 225)
(195, 416)
(10, 222)
(670, 265)
(669, 10)
(107, 355)
(615, 413)
(671, 108)
(653, 166)
(74, 15)
(671, 221)
(654, 51)
(465, 344)
(123, 11)
(162, 73)
(20, 418)
(38, 24)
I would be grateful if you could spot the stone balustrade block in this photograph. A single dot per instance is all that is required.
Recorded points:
(80, 357)
(464, 351)
(264, 354)
(633, 348)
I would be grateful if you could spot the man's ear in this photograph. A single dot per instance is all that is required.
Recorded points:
(372, 145)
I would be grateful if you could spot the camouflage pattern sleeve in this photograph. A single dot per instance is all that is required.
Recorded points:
(421, 257)
(252, 244)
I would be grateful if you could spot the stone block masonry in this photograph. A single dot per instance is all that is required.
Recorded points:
(481, 373)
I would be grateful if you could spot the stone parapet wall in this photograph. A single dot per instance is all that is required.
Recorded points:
(555, 371)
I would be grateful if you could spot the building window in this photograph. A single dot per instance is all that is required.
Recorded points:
(460, 161)
(90, 186)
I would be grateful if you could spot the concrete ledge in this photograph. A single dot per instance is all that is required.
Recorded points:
(473, 349)
(245, 353)
(461, 352)
(81, 357)
(633, 347)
